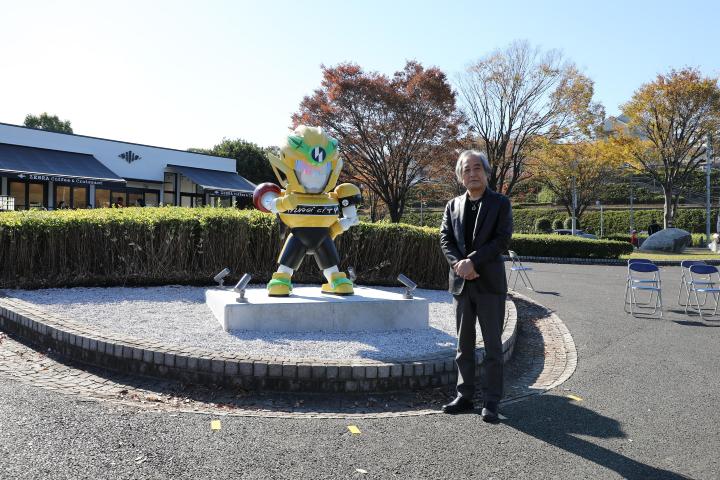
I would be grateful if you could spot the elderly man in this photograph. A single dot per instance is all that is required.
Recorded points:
(476, 230)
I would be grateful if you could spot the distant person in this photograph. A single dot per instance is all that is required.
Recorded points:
(61, 205)
(714, 246)
(139, 202)
(634, 238)
(120, 202)
(653, 227)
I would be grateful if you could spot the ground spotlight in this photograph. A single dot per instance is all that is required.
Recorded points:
(409, 285)
(240, 287)
(220, 277)
(351, 274)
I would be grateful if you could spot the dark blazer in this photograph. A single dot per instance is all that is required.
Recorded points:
(491, 238)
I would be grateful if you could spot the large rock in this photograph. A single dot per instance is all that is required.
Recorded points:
(670, 240)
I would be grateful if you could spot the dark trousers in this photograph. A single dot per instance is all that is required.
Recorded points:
(313, 240)
(489, 309)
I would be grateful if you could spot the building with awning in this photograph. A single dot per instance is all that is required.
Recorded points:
(216, 183)
(42, 169)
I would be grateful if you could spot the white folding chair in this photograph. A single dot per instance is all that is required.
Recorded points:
(637, 280)
(644, 277)
(704, 279)
(684, 290)
(519, 271)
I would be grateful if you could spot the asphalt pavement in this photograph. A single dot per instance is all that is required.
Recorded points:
(643, 403)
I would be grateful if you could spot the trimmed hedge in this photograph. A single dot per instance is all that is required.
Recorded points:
(614, 221)
(567, 246)
(141, 246)
(145, 246)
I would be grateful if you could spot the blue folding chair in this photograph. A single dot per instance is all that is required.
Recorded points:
(519, 271)
(684, 279)
(704, 279)
(637, 280)
(644, 277)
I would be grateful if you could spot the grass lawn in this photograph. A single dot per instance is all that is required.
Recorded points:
(689, 254)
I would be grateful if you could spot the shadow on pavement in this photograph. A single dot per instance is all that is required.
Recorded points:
(558, 420)
(688, 323)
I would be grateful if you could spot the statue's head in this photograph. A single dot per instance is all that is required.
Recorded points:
(309, 161)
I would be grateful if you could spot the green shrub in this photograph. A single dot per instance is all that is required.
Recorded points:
(546, 196)
(614, 221)
(698, 240)
(142, 246)
(567, 223)
(543, 225)
(620, 237)
(181, 245)
(430, 219)
(567, 246)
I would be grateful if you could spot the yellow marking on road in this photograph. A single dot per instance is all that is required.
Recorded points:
(354, 429)
(215, 425)
(574, 397)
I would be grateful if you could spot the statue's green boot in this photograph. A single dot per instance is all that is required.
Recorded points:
(280, 285)
(338, 285)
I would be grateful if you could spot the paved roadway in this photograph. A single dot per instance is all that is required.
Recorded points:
(649, 409)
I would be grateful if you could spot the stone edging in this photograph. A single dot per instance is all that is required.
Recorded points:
(562, 372)
(126, 354)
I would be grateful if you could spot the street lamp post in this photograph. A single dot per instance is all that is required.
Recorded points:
(597, 202)
(574, 197)
(627, 166)
(574, 206)
(632, 200)
(717, 223)
(708, 167)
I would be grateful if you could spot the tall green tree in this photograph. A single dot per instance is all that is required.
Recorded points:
(51, 123)
(669, 119)
(585, 167)
(251, 161)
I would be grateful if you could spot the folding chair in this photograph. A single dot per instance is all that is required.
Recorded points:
(520, 271)
(703, 279)
(685, 278)
(644, 277)
(637, 280)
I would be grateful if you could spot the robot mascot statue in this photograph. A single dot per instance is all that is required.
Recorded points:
(308, 169)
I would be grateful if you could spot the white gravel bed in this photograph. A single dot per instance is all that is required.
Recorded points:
(177, 315)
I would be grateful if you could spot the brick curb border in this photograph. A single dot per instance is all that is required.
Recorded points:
(568, 357)
(131, 355)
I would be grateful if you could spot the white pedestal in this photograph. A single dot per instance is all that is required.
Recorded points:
(308, 310)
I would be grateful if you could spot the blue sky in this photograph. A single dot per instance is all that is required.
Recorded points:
(188, 73)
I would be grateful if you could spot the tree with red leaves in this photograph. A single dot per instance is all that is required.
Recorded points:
(393, 131)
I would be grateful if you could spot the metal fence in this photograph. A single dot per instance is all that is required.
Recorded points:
(7, 203)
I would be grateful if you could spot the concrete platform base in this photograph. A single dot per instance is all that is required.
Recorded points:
(308, 310)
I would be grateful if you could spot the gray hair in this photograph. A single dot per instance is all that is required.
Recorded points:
(471, 153)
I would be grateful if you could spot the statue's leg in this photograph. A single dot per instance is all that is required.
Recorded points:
(290, 259)
(327, 258)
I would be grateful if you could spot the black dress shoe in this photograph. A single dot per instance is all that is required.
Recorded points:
(490, 412)
(460, 404)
